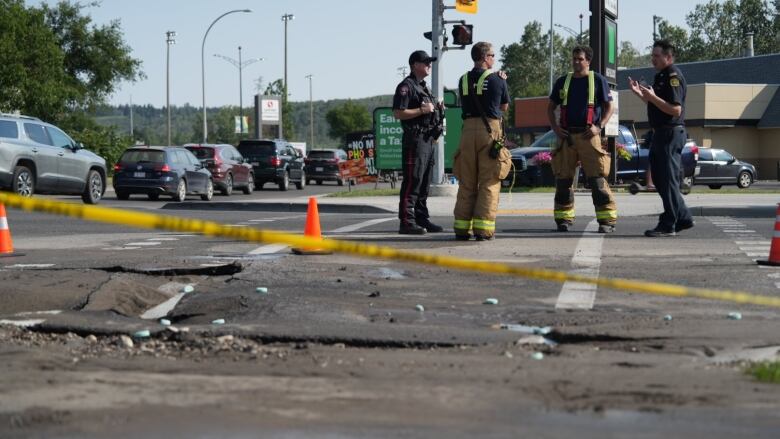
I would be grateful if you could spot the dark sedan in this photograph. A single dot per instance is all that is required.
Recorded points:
(718, 167)
(159, 170)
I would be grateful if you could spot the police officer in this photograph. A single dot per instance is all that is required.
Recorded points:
(666, 114)
(484, 97)
(419, 113)
(585, 108)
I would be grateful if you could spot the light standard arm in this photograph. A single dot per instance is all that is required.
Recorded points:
(240, 65)
(568, 29)
(203, 67)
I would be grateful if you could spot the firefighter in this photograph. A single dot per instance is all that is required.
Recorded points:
(585, 108)
(481, 161)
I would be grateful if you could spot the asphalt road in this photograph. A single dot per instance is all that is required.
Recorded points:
(345, 346)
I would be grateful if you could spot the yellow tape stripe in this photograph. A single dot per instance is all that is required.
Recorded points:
(210, 228)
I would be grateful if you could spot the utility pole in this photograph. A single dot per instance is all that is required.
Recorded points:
(579, 37)
(311, 114)
(169, 39)
(552, 62)
(285, 19)
(656, 19)
(437, 88)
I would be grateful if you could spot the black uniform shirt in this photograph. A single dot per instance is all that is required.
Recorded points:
(577, 102)
(494, 93)
(669, 85)
(411, 94)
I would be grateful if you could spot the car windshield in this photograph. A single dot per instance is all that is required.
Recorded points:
(546, 141)
(257, 149)
(321, 154)
(142, 155)
(202, 153)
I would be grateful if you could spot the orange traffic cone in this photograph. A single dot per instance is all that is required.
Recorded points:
(6, 246)
(774, 250)
(312, 230)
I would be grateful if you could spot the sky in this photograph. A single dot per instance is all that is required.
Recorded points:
(353, 48)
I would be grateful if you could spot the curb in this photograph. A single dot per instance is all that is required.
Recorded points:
(275, 207)
(739, 212)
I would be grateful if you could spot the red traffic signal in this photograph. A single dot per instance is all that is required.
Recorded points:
(462, 34)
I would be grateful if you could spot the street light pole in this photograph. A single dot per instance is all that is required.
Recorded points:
(285, 19)
(203, 67)
(579, 37)
(169, 39)
(240, 64)
(552, 63)
(311, 114)
(656, 19)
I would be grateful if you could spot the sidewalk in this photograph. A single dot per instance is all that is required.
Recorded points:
(525, 204)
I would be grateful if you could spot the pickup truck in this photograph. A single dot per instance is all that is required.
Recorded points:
(527, 173)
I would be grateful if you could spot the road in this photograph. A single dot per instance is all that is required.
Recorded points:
(338, 346)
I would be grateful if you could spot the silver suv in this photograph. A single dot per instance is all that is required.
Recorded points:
(37, 157)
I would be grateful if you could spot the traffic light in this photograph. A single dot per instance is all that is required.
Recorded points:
(427, 35)
(462, 34)
(467, 6)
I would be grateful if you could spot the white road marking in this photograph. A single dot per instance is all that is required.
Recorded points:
(364, 224)
(586, 261)
(757, 255)
(142, 244)
(120, 248)
(163, 239)
(23, 323)
(738, 231)
(756, 242)
(33, 313)
(274, 248)
(162, 309)
(748, 248)
(30, 266)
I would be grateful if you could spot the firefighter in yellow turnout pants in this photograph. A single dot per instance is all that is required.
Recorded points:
(586, 106)
(478, 164)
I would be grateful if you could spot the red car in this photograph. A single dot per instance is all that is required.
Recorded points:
(228, 168)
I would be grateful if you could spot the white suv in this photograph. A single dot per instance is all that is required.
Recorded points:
(37, 157)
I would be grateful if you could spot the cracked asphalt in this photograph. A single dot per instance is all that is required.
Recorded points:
(338, 347)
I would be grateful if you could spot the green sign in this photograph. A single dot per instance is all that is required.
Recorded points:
(388, 136)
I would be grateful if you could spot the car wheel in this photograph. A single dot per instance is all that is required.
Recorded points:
(153, 197)
(634, 188)
(122, 195)
(181, 191)
(319, 182)
(228, 186)
(94, 190)
(209, 191)
(744, 180)
(687, 181)
(715, 186)
(250, 185)
(301, 184)
(340, 182)
(24, 181)
(284, 183)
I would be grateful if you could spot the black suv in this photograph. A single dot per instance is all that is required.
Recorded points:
(274, 160)
(324, 164)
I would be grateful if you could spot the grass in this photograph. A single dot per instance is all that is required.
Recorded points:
(768, 372)
(386, 192)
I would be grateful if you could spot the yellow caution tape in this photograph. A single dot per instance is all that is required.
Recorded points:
(210, 228)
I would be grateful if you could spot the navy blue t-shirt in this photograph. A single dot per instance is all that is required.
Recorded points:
(577, 105)
(494, 94)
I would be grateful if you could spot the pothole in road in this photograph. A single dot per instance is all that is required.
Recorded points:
(218, 270)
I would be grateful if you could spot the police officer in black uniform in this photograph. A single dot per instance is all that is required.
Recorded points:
(420, 116)
(666, 114)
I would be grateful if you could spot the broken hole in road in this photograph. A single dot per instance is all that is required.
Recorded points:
(219, 270)
(569, 338)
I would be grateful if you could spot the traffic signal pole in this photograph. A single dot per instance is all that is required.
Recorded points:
(437, 88)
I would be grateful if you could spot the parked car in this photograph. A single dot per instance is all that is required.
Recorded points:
(274, 161)
(527, 173)
(719, 167)
(38, 157)
(228, 167)
(323, 165)
(161, 170)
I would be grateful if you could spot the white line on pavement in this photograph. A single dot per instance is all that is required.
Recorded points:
(756, 242)
(364, 224)
(23, 323)
(586, 261)
(268, 249)
(142, 244)
(162, 309)
(738, 231)
(30, 266)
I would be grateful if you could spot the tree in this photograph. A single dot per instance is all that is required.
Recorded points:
(629, 56)
(277, 88)
(678, 37)
(347, 118)
(527, 63)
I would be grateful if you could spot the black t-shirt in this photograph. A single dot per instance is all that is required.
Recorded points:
(669, 85)
(494, 94)
(577, 103)
(411, 94)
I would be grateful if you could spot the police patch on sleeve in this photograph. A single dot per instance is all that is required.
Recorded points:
(674, 82)
(403, 90)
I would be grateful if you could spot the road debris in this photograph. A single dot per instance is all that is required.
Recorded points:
(668, 317)
(419, 308)
(126, 341)
(218, 322)
(261, 290)
(536, 330)
(165, 322)
(735, 316)
(537, 356)
(490, 301)
(144, 333)
(188, 289)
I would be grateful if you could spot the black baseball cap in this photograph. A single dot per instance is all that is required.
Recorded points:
(420, 56)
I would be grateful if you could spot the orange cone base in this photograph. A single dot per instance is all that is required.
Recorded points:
(311, 251)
